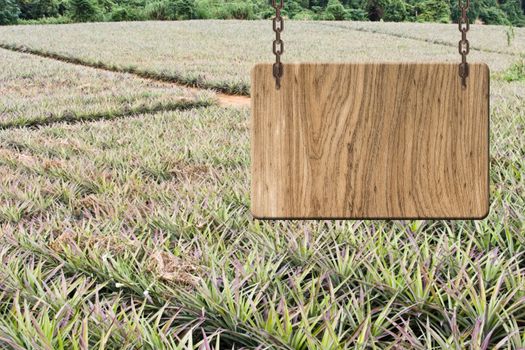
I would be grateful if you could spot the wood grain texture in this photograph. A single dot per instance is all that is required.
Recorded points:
(370, 141)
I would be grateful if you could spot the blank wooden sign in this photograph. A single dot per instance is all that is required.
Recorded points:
(370, 141)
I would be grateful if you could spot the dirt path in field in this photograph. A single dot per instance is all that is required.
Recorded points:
(233, 101)
(223, 99)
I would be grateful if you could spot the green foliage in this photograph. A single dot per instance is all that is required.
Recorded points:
(105, 5)
(432, 11)
(514, 12)
(305, 15)
(502, 12)
(516, 72)
(473, 12)
(236, 10)
(386, 10)
(84, 10)
(125, 13)
(182, 9)
(356, 15)
(9, 12)
(291, 9)
(493, 15)
(376, 9)
(335, 10)
(171, 10)
(47, 20)
(34, 9)
(158, 10)
(204, 8)
(394, 11)
(218, 9)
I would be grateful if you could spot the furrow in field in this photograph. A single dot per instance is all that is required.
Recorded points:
(131, 232)
(72, 117)
(144, 208)
(37, 91)
(488, 39)
(220, 54)
(133, 169)
(223, 98)
(182, 161)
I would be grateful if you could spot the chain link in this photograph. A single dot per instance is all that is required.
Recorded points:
(278, 44)
(464, 44)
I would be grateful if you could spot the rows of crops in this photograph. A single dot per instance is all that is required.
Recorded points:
(124, 209)
(220, 54)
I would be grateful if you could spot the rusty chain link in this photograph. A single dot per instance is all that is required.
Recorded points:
(278, 44)
(464, 44)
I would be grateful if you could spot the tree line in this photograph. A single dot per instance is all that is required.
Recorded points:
(502, 12)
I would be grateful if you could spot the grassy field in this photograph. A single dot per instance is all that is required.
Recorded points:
(483, 38)
(124, 215)
(220, 54)
(37, 91)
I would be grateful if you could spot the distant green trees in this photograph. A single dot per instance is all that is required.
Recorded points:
(83, 10)
(9, 12)
(504, 12)
(432, 11)
(335, 11)
(493, 15)
(514, 12)
(35, 9)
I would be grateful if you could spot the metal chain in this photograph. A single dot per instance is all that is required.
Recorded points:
(278, 44)
(464, 44)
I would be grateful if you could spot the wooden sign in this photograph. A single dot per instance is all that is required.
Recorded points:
(382, 140)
